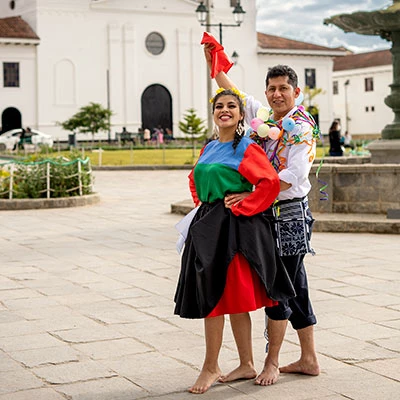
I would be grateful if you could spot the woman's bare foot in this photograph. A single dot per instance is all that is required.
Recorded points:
(269, 375)
(241, 372)
(204, 381)
(302, 367)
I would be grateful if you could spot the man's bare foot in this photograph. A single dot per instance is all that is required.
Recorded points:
(241, 372)
(269, 375)
(204, 381)
(302, 367)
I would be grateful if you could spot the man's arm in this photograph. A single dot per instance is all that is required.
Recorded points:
(284, 185)
(235, 198)
(224, 81)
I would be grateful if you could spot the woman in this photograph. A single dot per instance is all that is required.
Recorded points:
(335, 146)
(229, 264)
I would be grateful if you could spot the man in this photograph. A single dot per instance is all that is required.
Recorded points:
(292, 158)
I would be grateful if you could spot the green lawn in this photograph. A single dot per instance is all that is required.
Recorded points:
(151, 157)
(142, 156)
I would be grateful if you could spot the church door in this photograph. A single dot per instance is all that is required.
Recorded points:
(156, 105)
(11, 119)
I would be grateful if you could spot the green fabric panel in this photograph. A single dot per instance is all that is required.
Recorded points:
(214, 181)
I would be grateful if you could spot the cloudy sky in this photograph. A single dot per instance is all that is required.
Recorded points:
(303, 20)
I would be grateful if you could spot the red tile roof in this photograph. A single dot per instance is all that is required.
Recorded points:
(276, 42)
(362, 60)
(17, 28)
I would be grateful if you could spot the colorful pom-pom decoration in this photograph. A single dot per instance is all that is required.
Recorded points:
(263, 113)
(255, 123)
(301, 108)
(288, 124)
(274, 133)
(299, 99)
(263, 130)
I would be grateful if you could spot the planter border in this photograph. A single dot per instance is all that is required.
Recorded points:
(61, 202)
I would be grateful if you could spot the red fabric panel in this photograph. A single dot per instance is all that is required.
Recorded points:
(257, 169)
(243, 291)
(220, 61)
(192, 185)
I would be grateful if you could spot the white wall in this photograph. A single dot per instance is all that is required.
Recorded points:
(23, 97)
(85, 41)
(361, 121)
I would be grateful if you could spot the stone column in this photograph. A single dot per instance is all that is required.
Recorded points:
(392, 131)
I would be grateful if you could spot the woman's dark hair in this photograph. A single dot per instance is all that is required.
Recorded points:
(282, 70)
(240, 127)
(334, 126)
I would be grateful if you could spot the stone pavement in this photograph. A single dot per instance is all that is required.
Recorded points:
(86, 306)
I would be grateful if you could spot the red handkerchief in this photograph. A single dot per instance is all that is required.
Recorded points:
(220, 61)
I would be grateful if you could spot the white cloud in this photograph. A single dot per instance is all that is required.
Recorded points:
(303, 20)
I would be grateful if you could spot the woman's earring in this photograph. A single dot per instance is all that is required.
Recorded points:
(240, 129)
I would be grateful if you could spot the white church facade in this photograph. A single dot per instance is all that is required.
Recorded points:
(142, 59)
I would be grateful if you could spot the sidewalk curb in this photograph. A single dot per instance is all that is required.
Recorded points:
(61, 202)
(328, 222)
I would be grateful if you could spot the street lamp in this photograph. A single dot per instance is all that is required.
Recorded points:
(203, 17)
(346, 109)
(202, 12)
(238, 13)
(235, 57)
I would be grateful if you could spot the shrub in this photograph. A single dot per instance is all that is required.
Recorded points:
(53, 178)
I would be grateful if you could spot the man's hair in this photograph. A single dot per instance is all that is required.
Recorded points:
(282, 70)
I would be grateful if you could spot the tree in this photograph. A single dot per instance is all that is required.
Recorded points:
(193, 125)
(92, 118)
(309, 95)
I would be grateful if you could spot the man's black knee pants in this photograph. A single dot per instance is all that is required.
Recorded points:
(297, 310)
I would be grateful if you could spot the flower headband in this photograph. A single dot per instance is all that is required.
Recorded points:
(237, 92)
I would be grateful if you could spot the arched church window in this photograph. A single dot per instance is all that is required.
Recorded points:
(155, 43)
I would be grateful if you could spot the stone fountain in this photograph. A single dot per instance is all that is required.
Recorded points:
(386, 24)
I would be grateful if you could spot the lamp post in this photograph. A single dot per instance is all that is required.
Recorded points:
(235, 57)
(203, 16)
(346, 106)
(108, 105)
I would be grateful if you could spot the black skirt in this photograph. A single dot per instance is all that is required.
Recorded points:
(215, 236)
